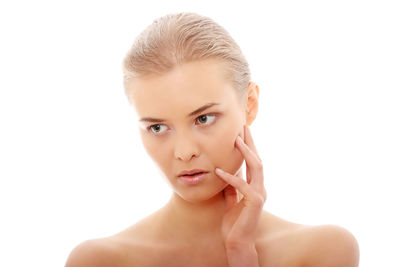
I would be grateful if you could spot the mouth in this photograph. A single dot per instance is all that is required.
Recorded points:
(192, 173)
(193, 178)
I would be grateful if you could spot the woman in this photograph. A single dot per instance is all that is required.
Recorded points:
(190, 85)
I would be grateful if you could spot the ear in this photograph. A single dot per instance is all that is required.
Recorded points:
(252, 103)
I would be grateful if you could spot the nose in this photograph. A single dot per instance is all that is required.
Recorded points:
(185, 148)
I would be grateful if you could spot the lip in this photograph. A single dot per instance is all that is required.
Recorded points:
(193, 180)
(190, 172)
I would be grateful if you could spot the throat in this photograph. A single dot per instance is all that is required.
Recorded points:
(202, 219)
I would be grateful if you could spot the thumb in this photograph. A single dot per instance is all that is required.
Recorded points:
(230, 196)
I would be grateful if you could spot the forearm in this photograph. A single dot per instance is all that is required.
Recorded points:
(242, 256)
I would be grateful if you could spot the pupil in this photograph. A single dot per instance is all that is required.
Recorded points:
(157, 127)
(203, 118)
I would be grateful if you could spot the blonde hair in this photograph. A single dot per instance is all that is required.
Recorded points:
(177, 38)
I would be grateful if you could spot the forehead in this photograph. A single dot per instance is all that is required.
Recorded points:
(185, 88)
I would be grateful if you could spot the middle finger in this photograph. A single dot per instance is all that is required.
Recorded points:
(248, 139)
(251, 158)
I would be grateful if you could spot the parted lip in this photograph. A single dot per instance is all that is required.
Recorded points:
(187, 172)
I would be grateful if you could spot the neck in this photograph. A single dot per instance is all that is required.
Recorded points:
(197, 219)
(201, 220)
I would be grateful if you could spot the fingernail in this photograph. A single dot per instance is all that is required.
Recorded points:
(219, 170)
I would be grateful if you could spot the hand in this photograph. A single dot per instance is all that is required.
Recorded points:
(240, 221)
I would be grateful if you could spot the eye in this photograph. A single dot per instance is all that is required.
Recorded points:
(156, 128)
(206, 119)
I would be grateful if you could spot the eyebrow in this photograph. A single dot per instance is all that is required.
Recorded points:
(197, 111)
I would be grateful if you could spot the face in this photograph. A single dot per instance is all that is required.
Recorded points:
(189, 119)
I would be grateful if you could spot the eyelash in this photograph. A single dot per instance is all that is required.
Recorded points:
(210, 114)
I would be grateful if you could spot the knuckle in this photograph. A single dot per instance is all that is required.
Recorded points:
(259, 165)
(259, 201)
(233, 243)
(264, 194)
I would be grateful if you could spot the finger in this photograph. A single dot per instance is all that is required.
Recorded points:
(254, 168)
(236, 182)
(230, 196)
(251, 158)
(248, 139)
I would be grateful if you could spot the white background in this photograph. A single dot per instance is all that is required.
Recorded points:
(72, 166)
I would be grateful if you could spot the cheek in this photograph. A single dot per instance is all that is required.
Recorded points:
(154, 149)
(223, 151)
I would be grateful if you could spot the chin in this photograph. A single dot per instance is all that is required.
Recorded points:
(204, 191)
(200, 197)
(212, 185)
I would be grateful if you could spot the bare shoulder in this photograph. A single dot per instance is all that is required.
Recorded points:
(287, 243)
(330, 245)
(94, 253)
(280, 242)
(130, 247)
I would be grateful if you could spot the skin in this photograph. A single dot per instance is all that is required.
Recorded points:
(220, 221)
